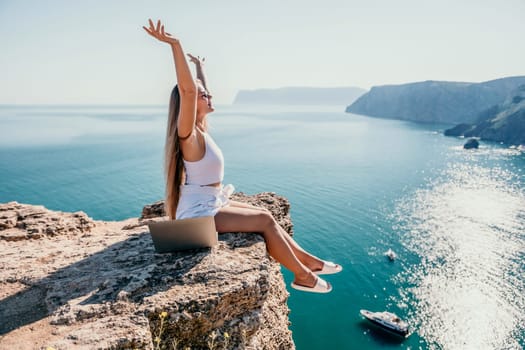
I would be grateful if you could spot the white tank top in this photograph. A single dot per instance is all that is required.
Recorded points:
(208, 170)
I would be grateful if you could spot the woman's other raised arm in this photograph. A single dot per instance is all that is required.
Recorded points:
(199, 69)
(186, 83)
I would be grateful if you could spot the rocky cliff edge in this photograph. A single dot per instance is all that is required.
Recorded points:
(70, 282)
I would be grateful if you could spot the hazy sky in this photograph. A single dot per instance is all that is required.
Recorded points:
(72, 51)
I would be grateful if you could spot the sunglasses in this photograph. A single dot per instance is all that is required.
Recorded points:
(205, 96)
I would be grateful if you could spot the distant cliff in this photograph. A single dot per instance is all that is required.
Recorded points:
(435, 101)
(70, 282)
(300, 96)
(503, 122)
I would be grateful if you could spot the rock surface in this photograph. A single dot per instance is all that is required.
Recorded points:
(86, 284)
(471, 143)
(21, 222)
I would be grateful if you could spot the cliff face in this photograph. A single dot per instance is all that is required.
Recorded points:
(434, 101)
(501, 123)
(69, 282)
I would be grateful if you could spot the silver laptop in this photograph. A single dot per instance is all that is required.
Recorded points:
(183, 234)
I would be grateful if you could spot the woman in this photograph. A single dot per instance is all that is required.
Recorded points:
(192, 155)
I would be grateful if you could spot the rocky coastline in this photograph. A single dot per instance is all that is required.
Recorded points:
(503, 122)
(70, 282)
(430, 101)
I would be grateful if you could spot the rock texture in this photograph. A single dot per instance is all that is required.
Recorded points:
(21, 222)
(69, 282)
(434, 101)
(471, 143)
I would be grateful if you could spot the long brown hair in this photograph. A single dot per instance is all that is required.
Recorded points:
(173, 161)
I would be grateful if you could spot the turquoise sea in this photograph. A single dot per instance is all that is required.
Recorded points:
(357, 186)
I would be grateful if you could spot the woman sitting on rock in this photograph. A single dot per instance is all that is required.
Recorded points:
(191, 154)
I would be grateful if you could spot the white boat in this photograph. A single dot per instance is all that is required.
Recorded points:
(388, 321)
(390, 254)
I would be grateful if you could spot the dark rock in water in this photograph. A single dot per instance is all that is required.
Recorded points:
(471, 143)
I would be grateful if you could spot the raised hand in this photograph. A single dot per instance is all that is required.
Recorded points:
(198, 61)
(158, 32)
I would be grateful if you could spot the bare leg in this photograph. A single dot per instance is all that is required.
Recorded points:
(311, 261)
(236, 219)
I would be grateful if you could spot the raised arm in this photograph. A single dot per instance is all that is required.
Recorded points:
(186, 83)
(199, 68)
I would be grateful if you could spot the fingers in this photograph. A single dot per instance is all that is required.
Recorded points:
(197, 59)
(158, 31)
(151, 30)
(147, 30)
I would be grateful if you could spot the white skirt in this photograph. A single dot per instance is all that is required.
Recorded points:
(196, 201)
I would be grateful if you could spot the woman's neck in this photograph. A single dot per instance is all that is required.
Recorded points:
(201, 125)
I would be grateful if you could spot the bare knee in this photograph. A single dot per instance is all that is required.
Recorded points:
(267, 222)
(265, 210)
(266, 219)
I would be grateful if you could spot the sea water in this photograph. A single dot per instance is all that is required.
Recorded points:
(357, 187)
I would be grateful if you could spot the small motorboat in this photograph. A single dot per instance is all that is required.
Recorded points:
(390, 254)
(388, 321)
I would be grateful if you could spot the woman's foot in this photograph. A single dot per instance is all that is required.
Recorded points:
(321, 267)
(309, 282)
(307, 279)
(313, 263)
(328, 268)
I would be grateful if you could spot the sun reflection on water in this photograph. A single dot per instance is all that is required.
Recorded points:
(468, 291)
